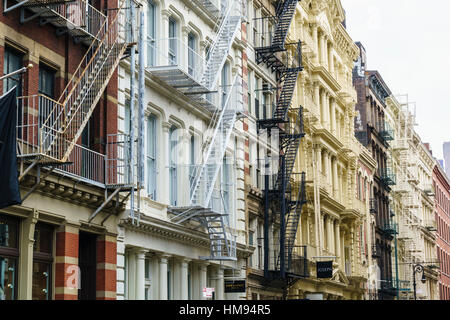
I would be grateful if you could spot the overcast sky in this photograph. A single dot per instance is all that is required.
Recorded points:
(408, 42)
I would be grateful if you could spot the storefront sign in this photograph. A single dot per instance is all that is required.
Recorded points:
(324, 269)
(234, 286)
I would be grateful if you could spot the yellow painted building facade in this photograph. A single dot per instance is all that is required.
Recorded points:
(331, 222)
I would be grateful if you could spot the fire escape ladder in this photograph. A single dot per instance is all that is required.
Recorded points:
(206, 176)
(222, 44)
(66, 121)
(203, 185)
(290, 141)
(293, 220)
(284, 15)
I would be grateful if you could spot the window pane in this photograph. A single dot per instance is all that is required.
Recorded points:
(151, 157)
(46, 81)
(8, 232)
(151, 34)
(43, 237)
(13, 61)
(7, 278)
(41, 281)
(172, 163)
(172, 42)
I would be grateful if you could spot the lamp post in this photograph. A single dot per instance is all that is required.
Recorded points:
(417, 268)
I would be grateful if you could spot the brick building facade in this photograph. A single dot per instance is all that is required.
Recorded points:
(442, 210)
(49, 243)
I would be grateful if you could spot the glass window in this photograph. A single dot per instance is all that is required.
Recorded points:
(192, 49)
(9, 254)
(151, 32)
(192, 164)
(225, 81)
(8, 275)
(47, 81)
(9, 229)
(127, 116)
(13, 60)
(172, 41)
(42, 262)
(151, 157)
(173, 140)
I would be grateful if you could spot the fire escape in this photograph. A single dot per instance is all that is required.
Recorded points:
(49, 131)
(198, 79)
(284, 196)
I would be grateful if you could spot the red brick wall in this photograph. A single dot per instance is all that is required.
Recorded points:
(66, 266)
(442, 212)
(106, 268)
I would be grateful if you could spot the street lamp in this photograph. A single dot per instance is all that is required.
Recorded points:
(418, 268)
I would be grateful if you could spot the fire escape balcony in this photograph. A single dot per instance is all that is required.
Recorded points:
(213, 7)
(429, 225)
(389, 227)
(373, 206)
(176, 64)
(385, 131)
(388, 178)
(83, 164)
(76, 17)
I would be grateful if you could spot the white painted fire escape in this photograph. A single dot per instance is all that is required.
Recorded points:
(214, 214)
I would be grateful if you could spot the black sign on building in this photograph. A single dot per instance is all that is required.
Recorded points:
(234, 286)
(324, 269)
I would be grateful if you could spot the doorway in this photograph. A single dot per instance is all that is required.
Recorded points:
(87, 262)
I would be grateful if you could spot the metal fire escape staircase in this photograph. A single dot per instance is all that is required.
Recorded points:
(218, 52)
(201, 207)
(290, 142)
(62, 122)
(225, 110)
(284, 15)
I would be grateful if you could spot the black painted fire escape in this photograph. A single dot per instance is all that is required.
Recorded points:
(284, 197)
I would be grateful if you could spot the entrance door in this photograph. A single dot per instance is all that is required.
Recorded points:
(87, 262)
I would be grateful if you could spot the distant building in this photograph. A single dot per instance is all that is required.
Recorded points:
(441, 162)
(447, 158)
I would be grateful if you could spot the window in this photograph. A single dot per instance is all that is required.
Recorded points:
(46, 88)
(192, 53)
(255, 28)
(151, 157)
(13, 60)
(226, 185)
(225, 82)
(191, 164)
(172, 41)
(151, 32)
(42, 262)
(127, 116)
(9, 256)
(46, 81)
(172, 165)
